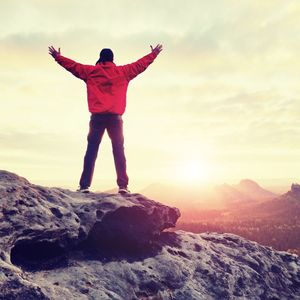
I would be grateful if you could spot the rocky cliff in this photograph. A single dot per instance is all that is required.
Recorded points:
(57, 244)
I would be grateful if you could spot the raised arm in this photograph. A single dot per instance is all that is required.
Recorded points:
(158, 48)
(134, 69)
(79, 70)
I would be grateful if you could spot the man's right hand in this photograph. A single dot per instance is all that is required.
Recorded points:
(157, 49)
(53, 52)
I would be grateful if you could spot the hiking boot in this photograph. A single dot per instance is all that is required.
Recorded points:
(124, 190)
(84, 190)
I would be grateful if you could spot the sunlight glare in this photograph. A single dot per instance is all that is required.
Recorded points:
(193, 171)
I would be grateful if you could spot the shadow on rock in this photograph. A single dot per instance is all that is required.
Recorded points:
(120, 249)
(38, 255)
(44, 255)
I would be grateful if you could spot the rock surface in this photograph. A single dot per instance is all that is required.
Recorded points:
(57, 244)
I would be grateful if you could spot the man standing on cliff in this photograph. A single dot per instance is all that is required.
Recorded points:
(106, 94)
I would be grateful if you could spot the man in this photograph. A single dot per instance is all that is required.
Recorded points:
(106, 94)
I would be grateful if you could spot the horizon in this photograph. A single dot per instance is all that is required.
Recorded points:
(275, 185)
(218, 105)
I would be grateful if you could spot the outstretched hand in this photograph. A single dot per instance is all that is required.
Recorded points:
(157, 48)
(53, 52)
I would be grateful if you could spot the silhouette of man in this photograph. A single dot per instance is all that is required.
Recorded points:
(106, 94)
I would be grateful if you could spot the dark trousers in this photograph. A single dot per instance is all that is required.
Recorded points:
(113, 123)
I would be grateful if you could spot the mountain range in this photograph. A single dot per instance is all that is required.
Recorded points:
(195, 199)
(271, 222)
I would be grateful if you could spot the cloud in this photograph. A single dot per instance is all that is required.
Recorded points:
(38, 143)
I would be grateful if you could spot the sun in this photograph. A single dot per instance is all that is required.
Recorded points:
(192, 171)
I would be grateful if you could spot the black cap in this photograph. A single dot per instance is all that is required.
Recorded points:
(106, 55)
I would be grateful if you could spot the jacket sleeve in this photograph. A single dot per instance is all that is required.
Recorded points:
(77, 69)
(134, 69)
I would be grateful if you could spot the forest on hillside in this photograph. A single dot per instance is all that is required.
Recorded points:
(284, 236)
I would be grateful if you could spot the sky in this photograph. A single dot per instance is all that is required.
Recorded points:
(220, 103)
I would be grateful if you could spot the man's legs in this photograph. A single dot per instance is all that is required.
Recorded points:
(97, 128)
(115, 132)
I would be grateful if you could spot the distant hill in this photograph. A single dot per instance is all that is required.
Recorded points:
(230, 195)
(285, 208)
(253, 190)
(261, 205)
(274, 222)
(247, 192)
(199, 198)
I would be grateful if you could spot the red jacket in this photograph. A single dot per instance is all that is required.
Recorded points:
(106, 83)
